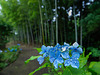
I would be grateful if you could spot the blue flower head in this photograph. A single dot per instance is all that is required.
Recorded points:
(5, 51)
(73, 61)
(1, 51)
(15, 50)
(18, 44)
(40, 60)
(55, 57)
(59, 54)
(21, 49)
(76, 48)
(45, 50)
(11, 50)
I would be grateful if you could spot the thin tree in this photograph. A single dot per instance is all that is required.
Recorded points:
(56, 21)
(75, 23)
(41, 21)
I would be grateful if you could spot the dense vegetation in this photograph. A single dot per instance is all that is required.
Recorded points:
(8, 56)
(37, 22)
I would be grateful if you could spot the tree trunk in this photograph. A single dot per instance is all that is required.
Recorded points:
(41, 21)
(56, 21)
(31, 31)
(28, 41)
(75, 23)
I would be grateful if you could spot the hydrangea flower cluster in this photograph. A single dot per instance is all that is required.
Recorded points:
(61, 54)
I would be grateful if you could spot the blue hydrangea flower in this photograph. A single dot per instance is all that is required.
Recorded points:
(76, 48)
(45, 50)
(1, 51)
(65, 50)
(59, 53)
(21, 49)
(5, 51)
(73, 61)
(15, 50)
(18, 44)
(55, 57)
(40, 60)
(65, 55)
(11, 50)
(66, 44)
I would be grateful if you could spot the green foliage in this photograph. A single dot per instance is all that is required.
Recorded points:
(38, 49)
(8, 57)
(95, 51)
(73, 71)
(83, 60)
(46, 74)
(95, 66)
(31, 58)
(5, 31)
(43, 66)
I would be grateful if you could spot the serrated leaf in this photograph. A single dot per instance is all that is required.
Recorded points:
(43, 66)
(31, 58)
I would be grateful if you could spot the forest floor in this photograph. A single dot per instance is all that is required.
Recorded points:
(19, 68)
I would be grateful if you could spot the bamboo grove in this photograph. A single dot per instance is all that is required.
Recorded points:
(48, 21)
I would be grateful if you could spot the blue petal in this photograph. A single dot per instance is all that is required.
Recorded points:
(55, 64)
(8, 48)
(71, 47)
(18, 44)
(51, 54)
(80, 50)
(60, 66)
(40, 60)
(48, 47)
(57, 54)
(43, 48)
(75, 44)
(51, 59)
(66, 44)
(65, 48)
(67, 62)
(60, 60)
(5, 51)
(75, 55)
(45, 54)
(15, 50)
(75, 63)
(65, 55)
(41, 52)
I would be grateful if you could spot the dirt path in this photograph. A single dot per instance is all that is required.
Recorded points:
(19, 68)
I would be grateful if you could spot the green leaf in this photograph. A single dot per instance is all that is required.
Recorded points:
(73, 71)
(83, 60)
(38, 49)
(95, 66)
(88, 55)
(46, 74)
(31, 58)
(59, 73)
(43, 66)
(88, 73)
